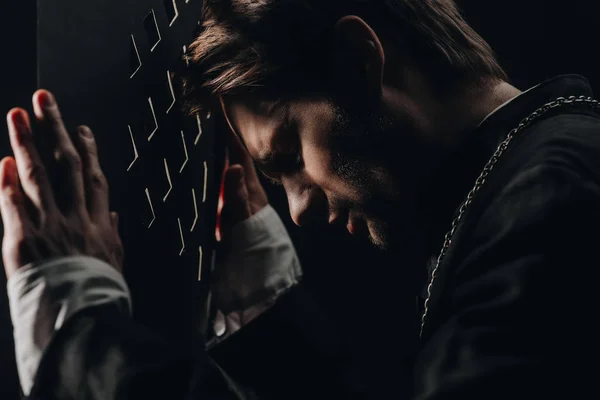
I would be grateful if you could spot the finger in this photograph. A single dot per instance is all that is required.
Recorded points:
(12, 208)
(236, 207)
(114, 221)
(68, 160)
(31, 170)
(94, 179)
(238, 154)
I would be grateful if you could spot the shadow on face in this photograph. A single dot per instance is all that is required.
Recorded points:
(334, 165)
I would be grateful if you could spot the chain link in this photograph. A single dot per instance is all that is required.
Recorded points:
(480, 181)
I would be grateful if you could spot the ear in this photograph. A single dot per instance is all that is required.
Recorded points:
(357, 61)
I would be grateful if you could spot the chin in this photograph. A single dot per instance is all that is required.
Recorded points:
(379, 243)
(377, 237)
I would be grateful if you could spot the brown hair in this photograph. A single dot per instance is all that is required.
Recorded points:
(280, 45)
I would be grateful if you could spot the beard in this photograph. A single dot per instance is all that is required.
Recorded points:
(358, 138)
(376, 152)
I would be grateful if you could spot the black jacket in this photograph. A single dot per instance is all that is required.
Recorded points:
(512, 308)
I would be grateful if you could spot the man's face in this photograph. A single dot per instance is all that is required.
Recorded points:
(335, 165)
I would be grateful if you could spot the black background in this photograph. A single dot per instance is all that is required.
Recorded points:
(534, 40)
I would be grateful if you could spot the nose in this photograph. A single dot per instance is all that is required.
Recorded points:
(307, 203)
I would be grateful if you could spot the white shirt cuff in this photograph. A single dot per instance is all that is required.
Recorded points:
(262, 265)
(43, 296)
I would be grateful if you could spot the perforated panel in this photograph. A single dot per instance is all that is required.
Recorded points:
(110, 64)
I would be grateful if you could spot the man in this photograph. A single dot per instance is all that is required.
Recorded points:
(391, 117)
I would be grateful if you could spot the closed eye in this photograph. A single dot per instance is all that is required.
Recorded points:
(280, 164)
(285, 156)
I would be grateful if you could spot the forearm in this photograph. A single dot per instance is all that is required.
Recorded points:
(75, 339)
(286, 336)
(261, 266)
(42, 297)
(293, 345)
(101, 354)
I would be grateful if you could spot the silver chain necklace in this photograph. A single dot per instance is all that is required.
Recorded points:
(483, 176)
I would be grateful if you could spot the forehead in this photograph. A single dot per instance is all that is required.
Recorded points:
(247, 110)
(255, 121)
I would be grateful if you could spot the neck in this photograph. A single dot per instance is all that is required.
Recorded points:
(459, 162)
(441, 121)
(442, 125)
(464, 113)
(444, 133)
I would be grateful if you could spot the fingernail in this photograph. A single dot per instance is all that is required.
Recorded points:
(46, 99)
(85, 132)
(9, 168)
(19, 119)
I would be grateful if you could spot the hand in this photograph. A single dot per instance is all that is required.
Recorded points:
(42, 221)
(243, 194)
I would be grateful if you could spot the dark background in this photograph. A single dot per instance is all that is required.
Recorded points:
(362, 289)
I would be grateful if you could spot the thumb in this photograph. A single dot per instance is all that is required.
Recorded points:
(236, 206)
(114, 221)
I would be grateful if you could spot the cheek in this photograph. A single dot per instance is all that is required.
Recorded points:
(319, 168)
(317, 124)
